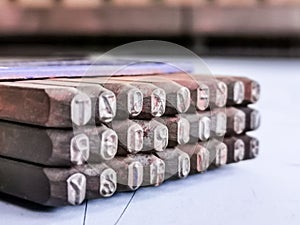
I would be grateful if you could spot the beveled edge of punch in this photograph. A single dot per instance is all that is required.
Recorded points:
(183, 99)
(107, 106)
(161, 137)
(221, 154)
(254, 146)
(81, 109)
(203, 98)
(239, 150)
(204, 128)
(184, 165)
(238, 92)
(221, 94)
(109, 144)
(255, 119)
(157, 172)
(220, 123)
(134, 102)
(183, 131)
(108, 182)
(76, 188)
(135, 138)
(79, 149)
(135, 175)
(255, 91)
(239, 122)
(158, 102)
(202, 159)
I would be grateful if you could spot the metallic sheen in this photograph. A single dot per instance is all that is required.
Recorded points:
(238, 92)
(107, 106)
(135, 138)
(183, 131)
(135, 175)
(157, 172)
(108, 182)
(81, 109)
(134, 102)
(204, 128)
(108, 144)
(79, 149)
(239, 150)
(76, 188)
(203, 97)
(158, 102)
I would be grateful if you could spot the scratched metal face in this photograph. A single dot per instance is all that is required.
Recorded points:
(238, 92)
(202, 159)
(239, 121)
(79, 149)
(219, 122)
(157, 172)
(239, 150)
(108, 182)
(183, 100)
(221, 154)
(134, 102)
(160, 137)
(254, 147)
(183, 131)
(107, 106)
(183, 165)
(221, 94)
(76, 188)
(81, 109)
(204, 128)
(254, 120)
(135, 138)
(135, 175)
(255, 91)
(203, 97)
(109, 144)
(158, 102)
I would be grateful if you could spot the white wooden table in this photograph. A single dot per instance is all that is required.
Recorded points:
(261, 192)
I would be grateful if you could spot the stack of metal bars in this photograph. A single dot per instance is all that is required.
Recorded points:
(65, 140)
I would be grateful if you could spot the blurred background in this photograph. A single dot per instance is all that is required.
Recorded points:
(255, 38)
(208, 27)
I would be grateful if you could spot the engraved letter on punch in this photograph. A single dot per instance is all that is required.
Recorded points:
(203, 97)
(108, 182)
(81, 109)
(80, 149)
(76, 187)
(107, 106)
(135, 175)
